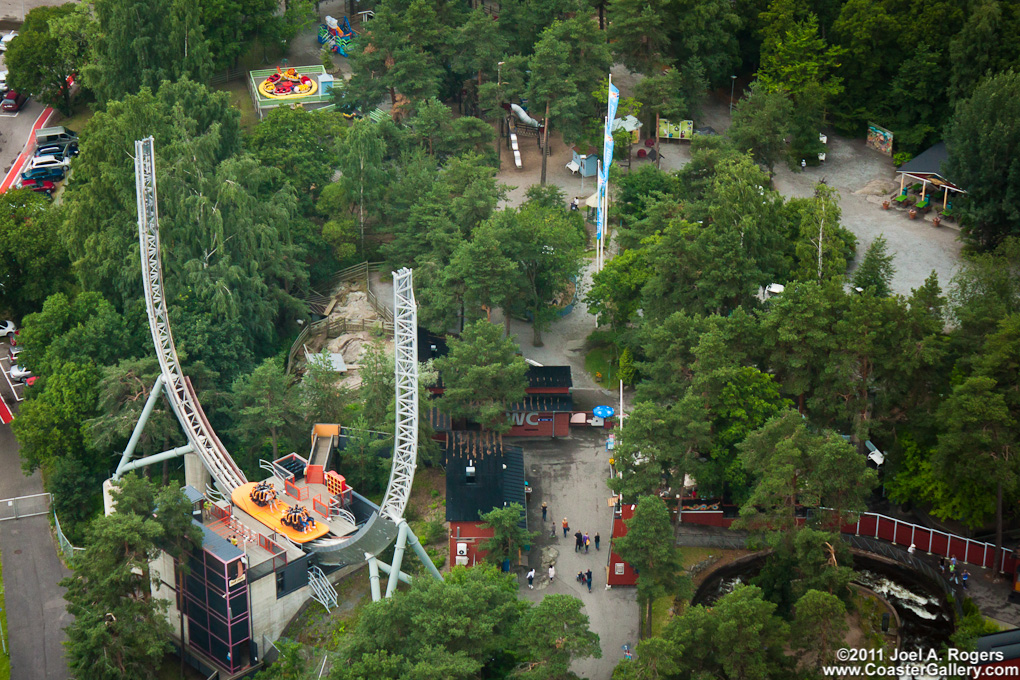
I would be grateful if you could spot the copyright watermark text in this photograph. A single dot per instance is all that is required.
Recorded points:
(878, 663)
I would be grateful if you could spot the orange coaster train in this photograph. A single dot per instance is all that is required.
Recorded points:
(259, 499)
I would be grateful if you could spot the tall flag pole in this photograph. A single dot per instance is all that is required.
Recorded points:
(607, 160)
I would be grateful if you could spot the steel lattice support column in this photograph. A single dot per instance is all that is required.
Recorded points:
(405, 446)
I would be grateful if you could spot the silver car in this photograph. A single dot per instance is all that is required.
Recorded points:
(20, 373)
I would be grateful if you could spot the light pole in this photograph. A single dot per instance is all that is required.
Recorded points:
(584, 157)
(733, 82)
(499, 73)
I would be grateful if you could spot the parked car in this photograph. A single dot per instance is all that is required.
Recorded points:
(43, 186)
(49, 162)
(13, 102)
(54, 135)
(5, 41)
(3, 82)
(51, 174)
(12, 353)
(20, 373)
(64, 149)
(8, 330)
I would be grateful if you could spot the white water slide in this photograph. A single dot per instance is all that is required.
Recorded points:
(384, 525)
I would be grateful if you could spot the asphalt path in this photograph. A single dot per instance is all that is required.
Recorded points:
(36, 614)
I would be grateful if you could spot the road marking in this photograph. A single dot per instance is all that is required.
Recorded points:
(41, 121)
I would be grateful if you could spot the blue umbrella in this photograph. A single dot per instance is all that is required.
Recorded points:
(603, 411)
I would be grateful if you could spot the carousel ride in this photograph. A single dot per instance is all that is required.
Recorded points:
(287, 84)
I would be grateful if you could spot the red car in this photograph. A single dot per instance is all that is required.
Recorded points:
(44, 185)
(13, 102)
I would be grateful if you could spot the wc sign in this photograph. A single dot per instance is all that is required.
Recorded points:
(520, 419)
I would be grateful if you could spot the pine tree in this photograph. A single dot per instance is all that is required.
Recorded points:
(649, 547)
(876, 270)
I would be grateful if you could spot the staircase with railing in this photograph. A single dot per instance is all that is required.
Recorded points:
(323, 591)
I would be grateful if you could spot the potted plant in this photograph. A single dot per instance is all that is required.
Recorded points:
(885, 204)
(936, 221)
(913, 213)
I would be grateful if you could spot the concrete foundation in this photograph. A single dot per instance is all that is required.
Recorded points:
(195, 473)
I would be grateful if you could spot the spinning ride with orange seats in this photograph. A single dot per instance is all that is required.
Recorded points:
(293, 521)
(287, 84)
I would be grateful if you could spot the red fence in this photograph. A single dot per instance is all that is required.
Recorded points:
(295, 491)
(320, 507)
(925, 540)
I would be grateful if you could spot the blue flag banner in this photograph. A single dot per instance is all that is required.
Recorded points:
(607, 156)
(614, 101)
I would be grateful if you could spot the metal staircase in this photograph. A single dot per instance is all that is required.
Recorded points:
(323, 591)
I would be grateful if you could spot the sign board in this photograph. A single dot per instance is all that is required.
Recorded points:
(682, 130)
(880, 139)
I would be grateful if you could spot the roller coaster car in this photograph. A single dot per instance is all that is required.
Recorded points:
(263, 495)
(298, 518)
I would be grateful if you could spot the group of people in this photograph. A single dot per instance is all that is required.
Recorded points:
(298, 517)
(956, 575)
(263, 494)
(583, 540)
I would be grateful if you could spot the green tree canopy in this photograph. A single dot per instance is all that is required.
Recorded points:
(509, 537)
(649, 547)
(983, 140)
(482, 376)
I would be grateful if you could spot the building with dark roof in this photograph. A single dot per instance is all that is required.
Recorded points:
(482, 474)
(544, 412)
(927, 168)
(1004, 646)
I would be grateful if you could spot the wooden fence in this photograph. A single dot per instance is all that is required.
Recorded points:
(334, 328)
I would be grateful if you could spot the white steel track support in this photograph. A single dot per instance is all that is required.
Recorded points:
(178, 388)
(405, 445)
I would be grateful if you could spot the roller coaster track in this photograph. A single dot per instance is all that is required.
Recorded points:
(185, 405)
(383, 526)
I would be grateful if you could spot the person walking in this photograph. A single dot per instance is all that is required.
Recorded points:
(587, 542)
(942, 566)
(578, 540)
(566, 527)
(531, 579)
(911, 549)
(587, 576)
(545, 510)
(964, 577)
(596, 540)
(952, 573)
(552, 573)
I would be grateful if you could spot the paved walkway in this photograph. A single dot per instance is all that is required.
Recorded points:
(36, 614)
(570, 475)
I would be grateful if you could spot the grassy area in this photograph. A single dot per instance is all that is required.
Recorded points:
(602, 361)
(241, 100)
(661, 613)
(692, 555)
(5, 659)
(316, 627)
(77, 121)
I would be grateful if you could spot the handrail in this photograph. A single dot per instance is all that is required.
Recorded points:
(182, 399)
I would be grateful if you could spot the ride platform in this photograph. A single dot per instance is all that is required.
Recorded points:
(272, 515)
